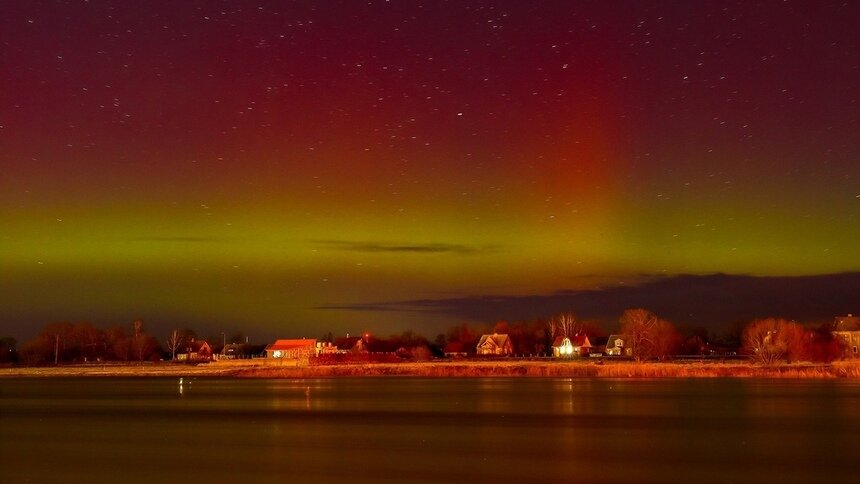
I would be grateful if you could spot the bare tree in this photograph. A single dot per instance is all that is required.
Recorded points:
(641, 325)
(771, 340)
(564, 325)
(142, 343)
(174, 342)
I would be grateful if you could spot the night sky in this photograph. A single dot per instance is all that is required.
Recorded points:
(289, 169)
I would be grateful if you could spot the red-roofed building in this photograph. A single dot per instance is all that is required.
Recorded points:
(561, 347)
(581, 344)
(577, 345)
(291, 349)
(194, 351)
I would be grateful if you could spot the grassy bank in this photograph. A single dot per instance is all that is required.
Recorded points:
(459, 369)
(119, 370)
(474, 369)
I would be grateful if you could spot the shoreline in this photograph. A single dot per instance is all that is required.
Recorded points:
(448, 369)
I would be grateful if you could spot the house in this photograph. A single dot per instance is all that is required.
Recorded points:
(581, 345)
(564, 347)
(619, 345)
(291, 349)
(847, 329)
(495, 344)
(195, 350)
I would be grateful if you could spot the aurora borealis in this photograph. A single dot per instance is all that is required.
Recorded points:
(282, 168)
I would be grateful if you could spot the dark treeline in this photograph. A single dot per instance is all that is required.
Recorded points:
(658, 338)
(772, 340)
(8, 350)
(66, 342)
(767, 340)
(82, 342)
(652, 338)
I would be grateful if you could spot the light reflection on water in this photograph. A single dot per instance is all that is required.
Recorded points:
(443, 430)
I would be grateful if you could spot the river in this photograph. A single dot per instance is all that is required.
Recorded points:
(429, 430)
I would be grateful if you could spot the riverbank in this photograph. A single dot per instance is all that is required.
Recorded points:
(452, 369)
(563, 369)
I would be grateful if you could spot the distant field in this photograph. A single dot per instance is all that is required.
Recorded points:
(452, 369)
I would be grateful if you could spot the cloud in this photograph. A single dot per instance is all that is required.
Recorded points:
(712, 300)
(373, 247)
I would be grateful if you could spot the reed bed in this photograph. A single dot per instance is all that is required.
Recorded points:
(565, 370)
(458, 369)
(130, 370)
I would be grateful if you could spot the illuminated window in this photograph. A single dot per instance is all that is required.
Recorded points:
(276, 354)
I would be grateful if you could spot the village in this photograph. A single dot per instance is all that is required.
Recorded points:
(643, 337)
(845, 334)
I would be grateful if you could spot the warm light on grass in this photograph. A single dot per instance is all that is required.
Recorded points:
(460, 369)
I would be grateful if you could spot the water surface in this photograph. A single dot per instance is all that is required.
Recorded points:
(429, 430)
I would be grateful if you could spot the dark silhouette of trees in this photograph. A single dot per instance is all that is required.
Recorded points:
(405, 342)
(466, 335)
(823, 346)
(528, 337)
(421, 353)
(694, 339)
(501, 327)
(440, 341)
(92, 342)
(144, 346)
(542, 337)
(36, 352)
(65, 342)
(55, 343)
(8, 350)
(667, 340)
(767, 340)
(693, 345)
(117, 343)
(772, 340)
